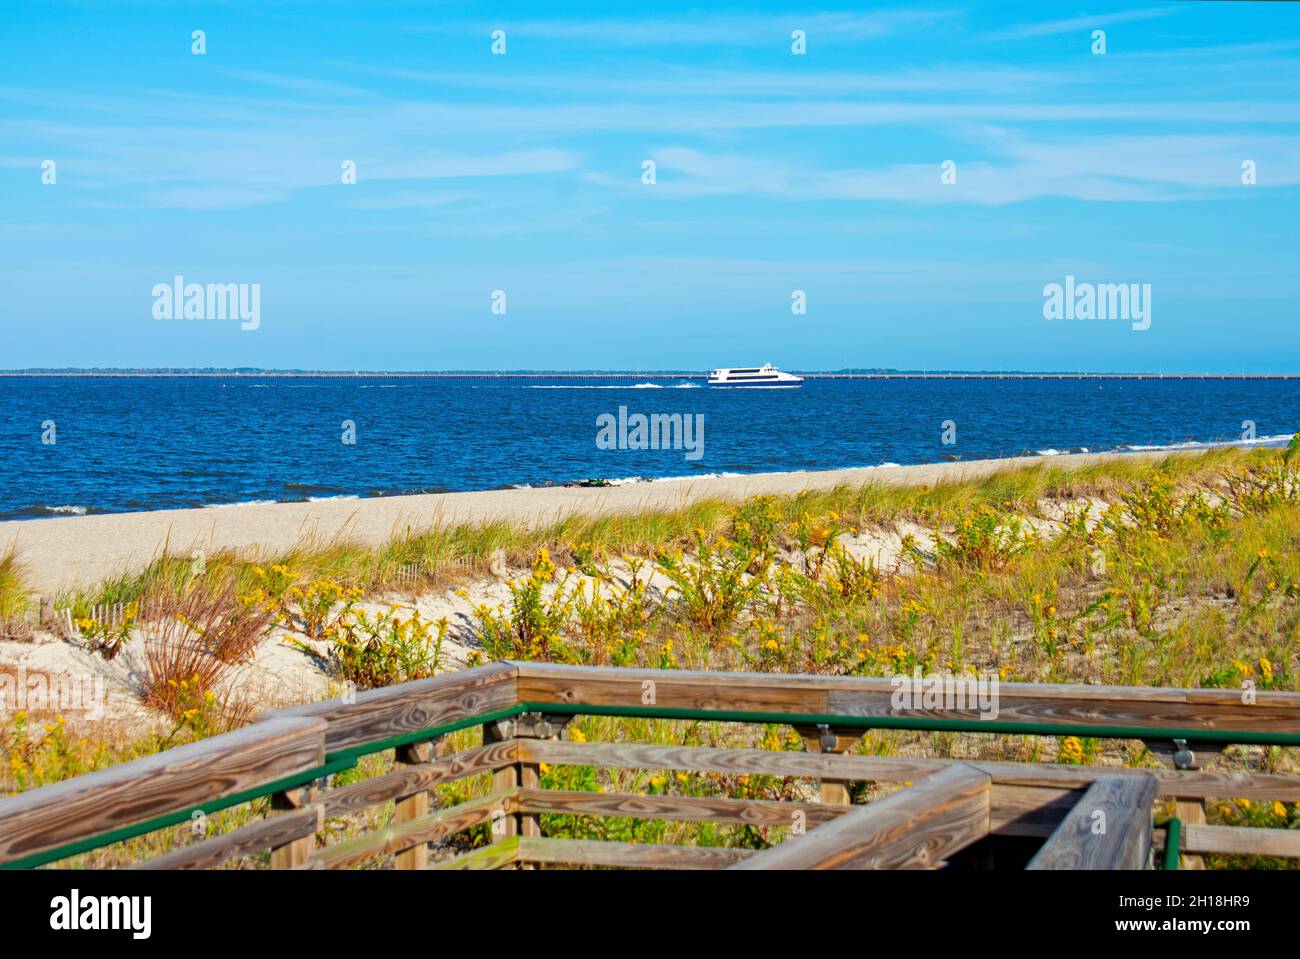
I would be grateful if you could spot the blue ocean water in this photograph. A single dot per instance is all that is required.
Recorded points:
(158, 443)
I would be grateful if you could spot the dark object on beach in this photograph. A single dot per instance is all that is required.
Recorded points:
(952, 456)
(17, 628)
(595, 481)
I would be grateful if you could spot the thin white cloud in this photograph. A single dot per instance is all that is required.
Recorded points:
(435, 165)
(307, 85)
(406, 200)
(713, 130)
(1106, 169)
(659, 79)
(1050, 27)
(725, 30)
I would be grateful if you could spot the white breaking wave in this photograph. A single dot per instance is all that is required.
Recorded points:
(629, 480)
(1207, 444)
(1169, 447)
(71, 510)
(725, 475)
(268, 502)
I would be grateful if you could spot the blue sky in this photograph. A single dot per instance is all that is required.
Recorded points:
(775, 172)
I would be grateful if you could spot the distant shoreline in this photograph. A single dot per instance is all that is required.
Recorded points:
(645, 374)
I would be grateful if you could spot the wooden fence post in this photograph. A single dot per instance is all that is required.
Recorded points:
(415, 805)
(823, 739)
(1192, 813)
(1182, 754)
(525, 775)
(504, 826)
(292, 853)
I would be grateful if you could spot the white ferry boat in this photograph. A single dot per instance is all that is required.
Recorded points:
(765, 375)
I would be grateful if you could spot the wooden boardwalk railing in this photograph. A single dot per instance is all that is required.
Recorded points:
(945, 810)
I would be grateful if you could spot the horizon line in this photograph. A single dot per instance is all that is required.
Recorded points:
(842, 373)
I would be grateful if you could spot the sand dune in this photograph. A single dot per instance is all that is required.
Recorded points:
(65, 552)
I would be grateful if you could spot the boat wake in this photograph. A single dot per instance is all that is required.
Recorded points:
(621, 386)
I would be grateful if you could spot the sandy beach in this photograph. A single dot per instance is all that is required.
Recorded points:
(66, 552)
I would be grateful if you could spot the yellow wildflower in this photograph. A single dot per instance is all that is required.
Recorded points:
(1071, 752)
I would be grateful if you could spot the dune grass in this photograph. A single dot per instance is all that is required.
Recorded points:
(435, 550)
(15, 597)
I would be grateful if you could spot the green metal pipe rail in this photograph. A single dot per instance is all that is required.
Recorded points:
(347, 758)
(1159, 734)
(1173, 840)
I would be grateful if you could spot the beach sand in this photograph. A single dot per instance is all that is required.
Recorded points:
(67, 552)
(80, 551)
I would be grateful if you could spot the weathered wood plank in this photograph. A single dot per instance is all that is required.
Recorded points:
(171, 781)
(670, 688)
(498, 855)
(1014, 810)
(380, 714)
(627, 855)
(1116, 707)
(1172, 783)
(1065, 691)
(1109, 828)
(866, 697)
(745, 812)
(409, 780)
(1235, 841)
(914, 828)
(266, 833)
(402, 836)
